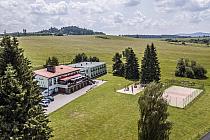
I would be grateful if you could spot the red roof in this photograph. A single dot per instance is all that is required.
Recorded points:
(59, 70)
(70, 77)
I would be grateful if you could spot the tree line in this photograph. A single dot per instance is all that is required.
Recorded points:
(197, 41)
(81, 57)
(150, 69)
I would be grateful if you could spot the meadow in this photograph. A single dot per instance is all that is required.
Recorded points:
(103, 113)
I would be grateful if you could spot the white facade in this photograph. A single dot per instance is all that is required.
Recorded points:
(49, 81)
(50, 84)
(63, 80)
(91, 69)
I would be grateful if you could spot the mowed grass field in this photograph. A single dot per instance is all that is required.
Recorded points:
(106, 115)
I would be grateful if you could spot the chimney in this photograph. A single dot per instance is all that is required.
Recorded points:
(51, 69)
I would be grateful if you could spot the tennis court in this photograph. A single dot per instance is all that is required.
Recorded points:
(180, 96)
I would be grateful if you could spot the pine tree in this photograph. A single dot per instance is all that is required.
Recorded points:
(33, 121)
(118, 66)
(54, 61)
(155, 64)
(150, 69)
(153, 123)
(145, 67)
(131, 66)
(127, 52)
(11, 95)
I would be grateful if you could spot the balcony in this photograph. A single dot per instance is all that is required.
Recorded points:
(72, 80)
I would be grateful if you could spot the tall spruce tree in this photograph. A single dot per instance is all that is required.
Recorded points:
(153, 123)
(150, 69)
(118, 66)
(145, 66)
(126, 52)
(155, 64)
(30, 122)
(11, 94)
(131, 66)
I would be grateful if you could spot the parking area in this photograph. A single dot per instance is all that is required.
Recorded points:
(63, 99)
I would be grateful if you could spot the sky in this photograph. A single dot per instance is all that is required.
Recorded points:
(109, 16)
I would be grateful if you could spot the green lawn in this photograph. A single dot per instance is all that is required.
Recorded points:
(105, 114)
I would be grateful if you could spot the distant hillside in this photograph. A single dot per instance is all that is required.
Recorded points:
(70, 30)
(197, 34)
(183, 35)
(155, 36)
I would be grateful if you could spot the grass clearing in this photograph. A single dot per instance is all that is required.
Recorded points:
(105, 114)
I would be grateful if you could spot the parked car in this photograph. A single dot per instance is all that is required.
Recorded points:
(46, 101)
(49, 97)
(45, 93)
(44, 104)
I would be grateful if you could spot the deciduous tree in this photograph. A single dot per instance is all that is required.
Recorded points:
(153, 123)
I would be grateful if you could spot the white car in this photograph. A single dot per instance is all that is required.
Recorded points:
(44, 103)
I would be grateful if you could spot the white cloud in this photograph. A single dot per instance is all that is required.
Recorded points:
(110, 16)
(41, 7)
(118, 18)
(131, 3)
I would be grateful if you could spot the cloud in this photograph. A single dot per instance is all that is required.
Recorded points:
(131, 3)
(185, 5)
(118, 18)
(191, 12)
(110, 16)
(41, 7)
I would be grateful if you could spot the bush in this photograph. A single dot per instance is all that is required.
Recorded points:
(189, 72)
(190, 69)
(200, 72)
(82, 57)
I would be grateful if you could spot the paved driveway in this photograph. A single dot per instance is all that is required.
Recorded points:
(206, 137)
(63, 99)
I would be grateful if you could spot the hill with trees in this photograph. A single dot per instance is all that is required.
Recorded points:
(69, 30)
